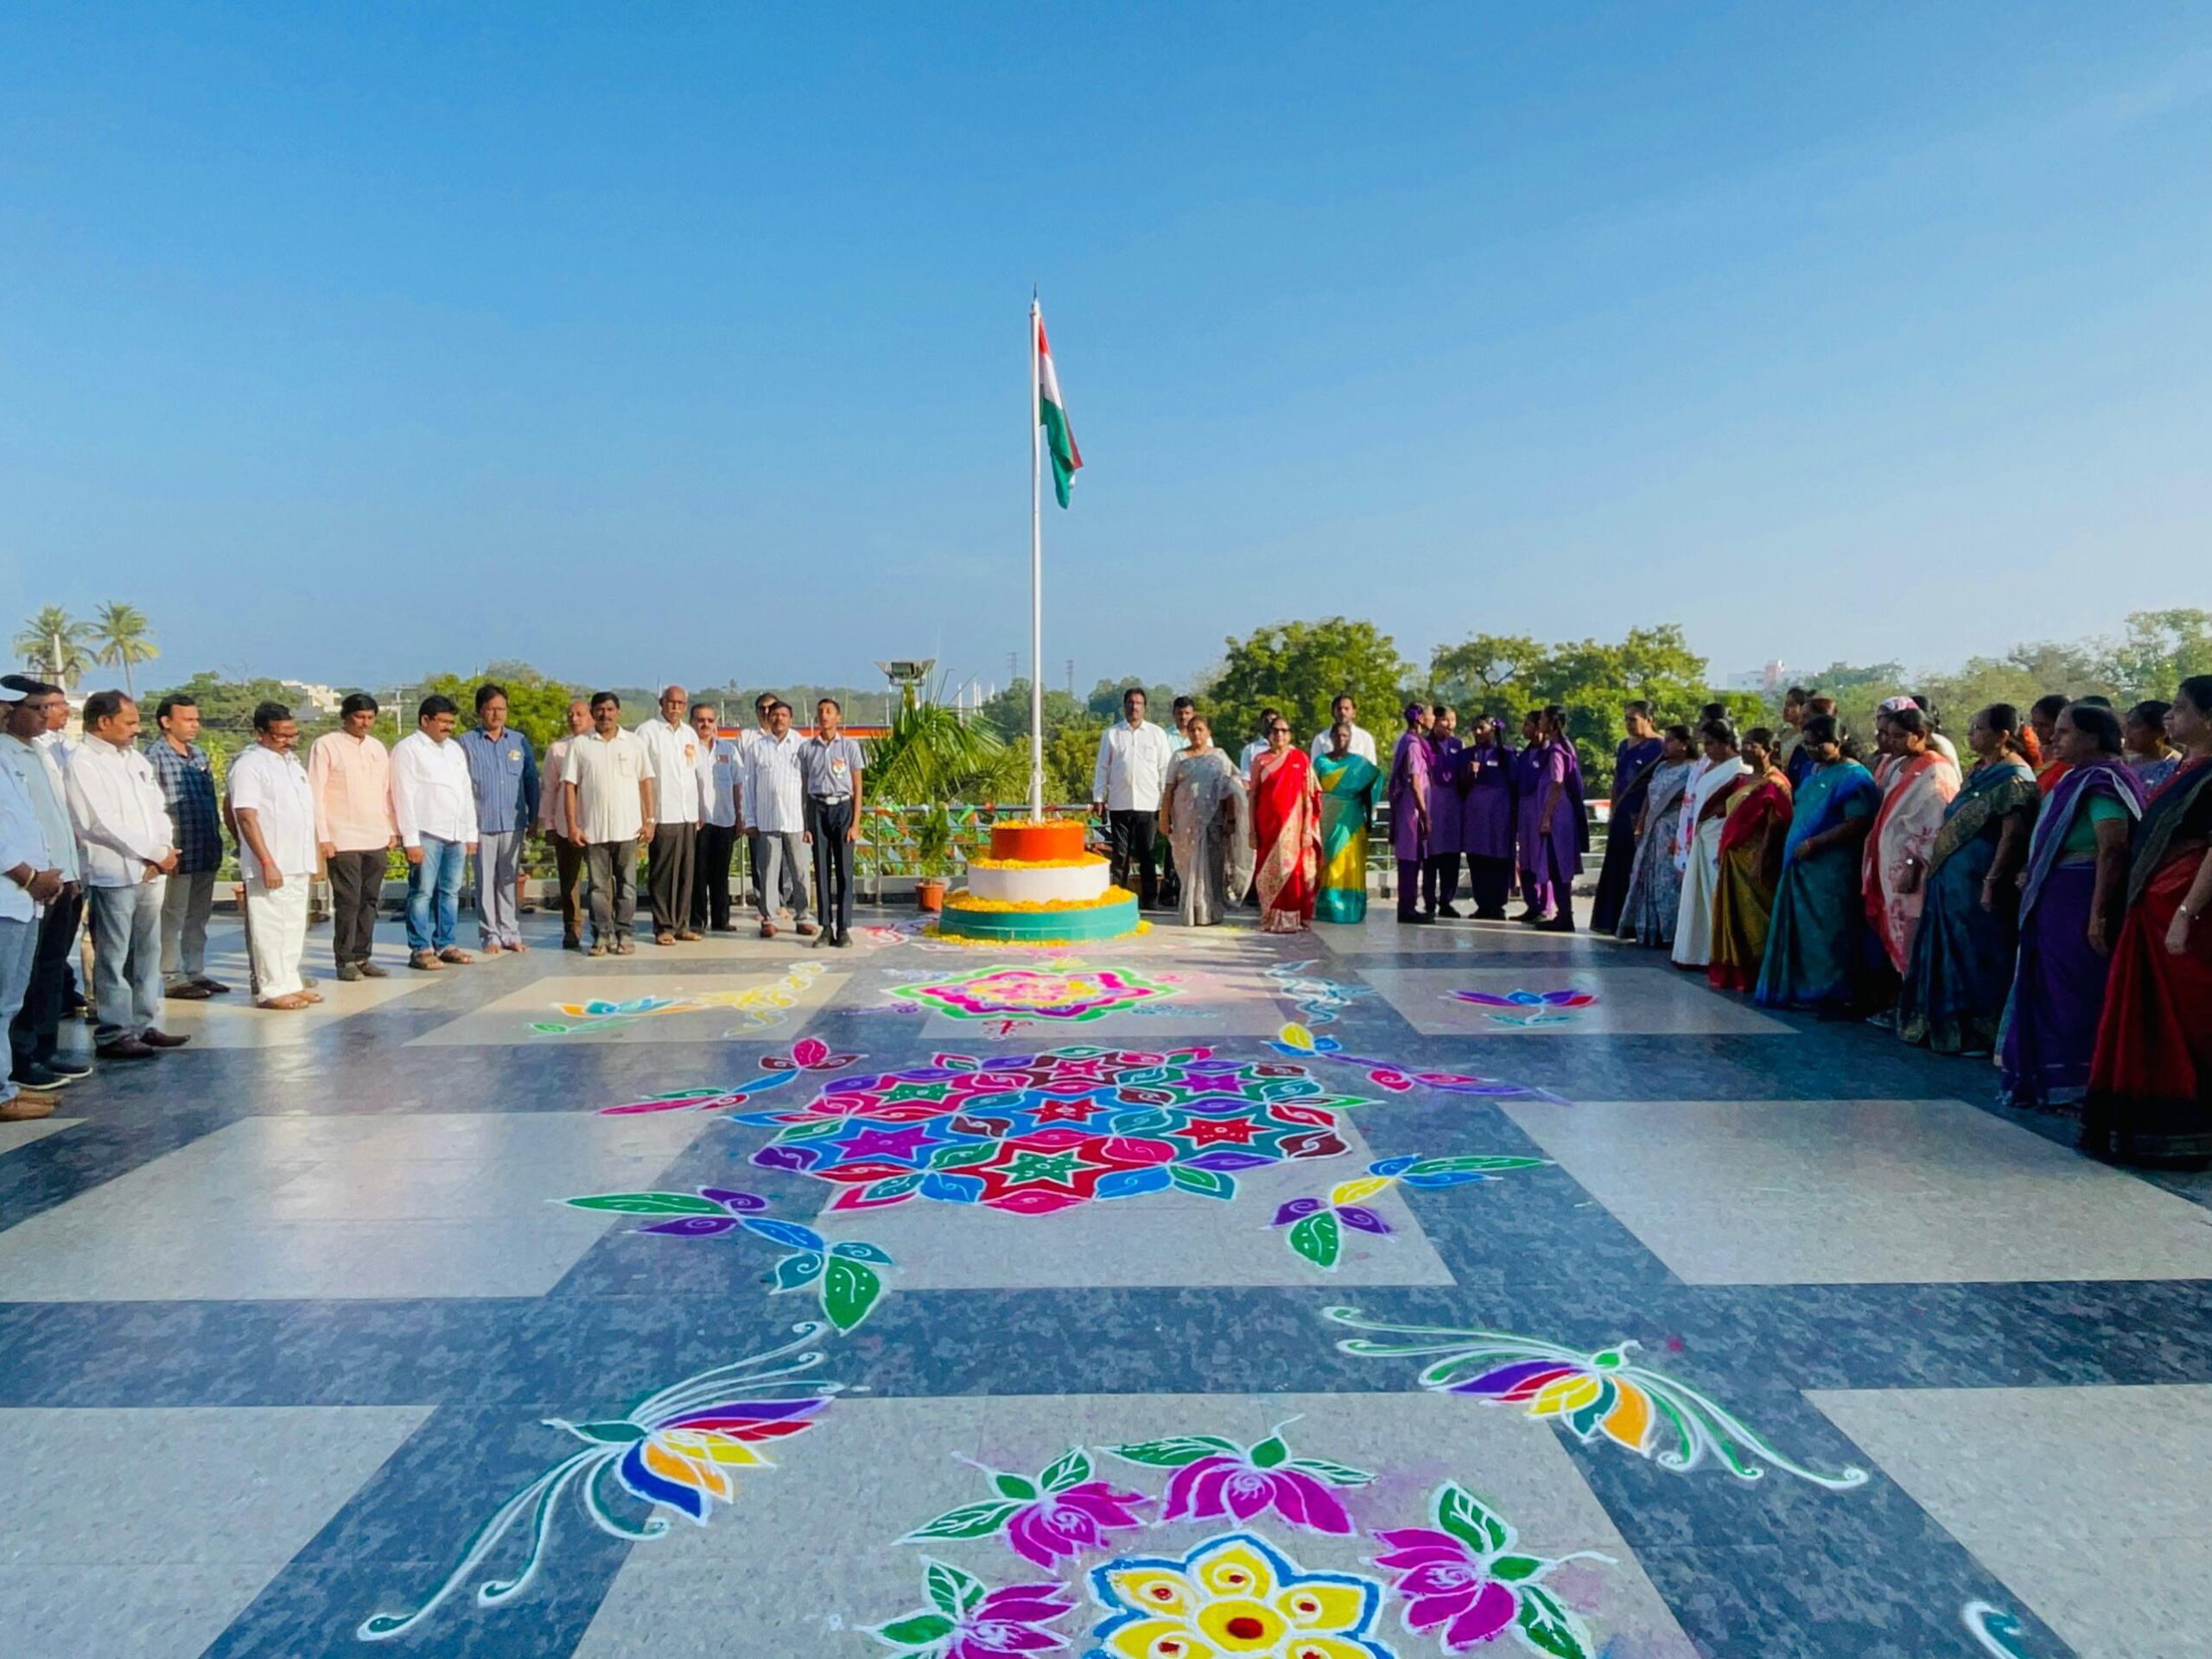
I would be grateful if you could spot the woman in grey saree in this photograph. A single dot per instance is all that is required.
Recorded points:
(1654, 900)
(1208, 821)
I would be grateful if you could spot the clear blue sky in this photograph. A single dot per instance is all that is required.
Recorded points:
(354, 342)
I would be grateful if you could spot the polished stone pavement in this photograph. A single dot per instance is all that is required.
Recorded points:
(288, 1317)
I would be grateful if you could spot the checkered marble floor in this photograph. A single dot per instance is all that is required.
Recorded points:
(1362, 1293)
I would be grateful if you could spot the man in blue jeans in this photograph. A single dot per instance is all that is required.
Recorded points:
(434, 802)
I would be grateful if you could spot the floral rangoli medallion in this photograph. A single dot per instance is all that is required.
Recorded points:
(1031, 1134)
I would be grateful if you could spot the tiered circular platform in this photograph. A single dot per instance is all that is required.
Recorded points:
(1039, 886)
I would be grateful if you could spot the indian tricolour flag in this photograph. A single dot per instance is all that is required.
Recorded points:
(1059, 437)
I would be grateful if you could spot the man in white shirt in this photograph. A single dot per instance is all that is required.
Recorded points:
(775, 791)
(123, 836)
(273, 805)
(29, 879)
(718, 828)
(553, 824)
(55, 738)
(1342, 713)
(754, 857)
(34, 1031)
(609, 787)
(1125, 784)
(672, 762)
(434, 802)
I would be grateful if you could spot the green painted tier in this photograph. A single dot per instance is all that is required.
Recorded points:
(1085, 923)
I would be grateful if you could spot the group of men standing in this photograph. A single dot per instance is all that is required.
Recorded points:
(86, 828)
(131, 837)
(686, 793)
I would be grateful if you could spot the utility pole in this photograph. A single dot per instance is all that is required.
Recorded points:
(1071, 677)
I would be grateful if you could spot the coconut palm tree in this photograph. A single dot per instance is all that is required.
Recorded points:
(53, 642)
(123, 636)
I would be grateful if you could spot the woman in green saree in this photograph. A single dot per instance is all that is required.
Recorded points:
(1348, 785)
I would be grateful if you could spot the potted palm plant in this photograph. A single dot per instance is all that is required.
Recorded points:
(932, 856)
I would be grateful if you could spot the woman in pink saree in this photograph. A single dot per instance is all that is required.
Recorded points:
(1286, 832)
(1921, 783)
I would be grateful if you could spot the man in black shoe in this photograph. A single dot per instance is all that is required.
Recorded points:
(34, 1029)
(123, 842)
(349, 774)
(1126, 782)
(831, 765)
(187, 782)
(717, 842)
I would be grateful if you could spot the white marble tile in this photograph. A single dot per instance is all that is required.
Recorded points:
(37, 1128)
(1632, 1001)
(1824, 1191)
(231, 1021)
(141, 1533)
(462, 1205)
(2088, 1503)
(774, 1003)
(804, 1560)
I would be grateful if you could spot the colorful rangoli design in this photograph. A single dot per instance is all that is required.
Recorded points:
(1998, 1631)
(1316, 1225)
(961, 1617)
(1529, 1009)
(1234, 1593)
(842, 1276)
(1318, 999)
(675, 1450)
(1044, 1519)
(1606, 1395)
(759, 1007)
(1009, 996)
(1031, 1134)
(1301, 1043)
(1464, 1580)
(1460, 1578)
(806, 1055)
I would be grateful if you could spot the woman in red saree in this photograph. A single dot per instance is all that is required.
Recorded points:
(1286, 832)
(1751, 835)
(2150, 1098)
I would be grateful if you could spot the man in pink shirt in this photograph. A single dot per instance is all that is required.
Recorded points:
(350, 774)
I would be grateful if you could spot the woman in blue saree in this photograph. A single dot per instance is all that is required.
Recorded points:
(1815, 944)
(1961, 970)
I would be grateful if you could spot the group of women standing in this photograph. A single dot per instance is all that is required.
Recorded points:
(1515, 816)
(2044, 908)
(1695, 849)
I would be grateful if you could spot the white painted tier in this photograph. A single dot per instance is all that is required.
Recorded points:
(1046, 885)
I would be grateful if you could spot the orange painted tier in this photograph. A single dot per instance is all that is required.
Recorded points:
(1036, 843)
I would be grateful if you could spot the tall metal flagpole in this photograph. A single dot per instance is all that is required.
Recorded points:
(1036, 574)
